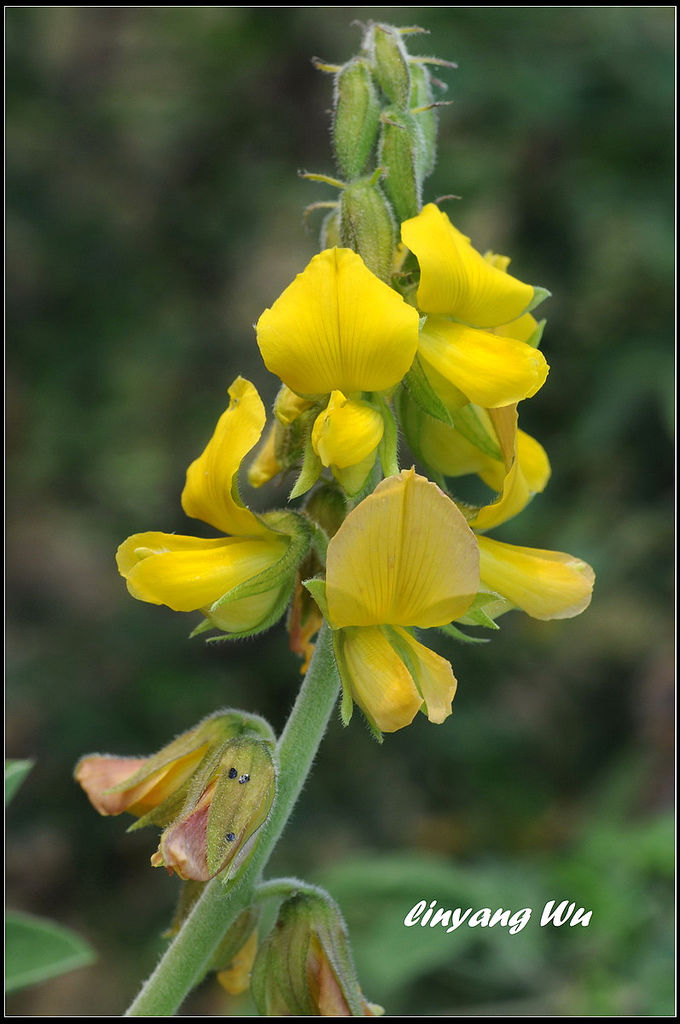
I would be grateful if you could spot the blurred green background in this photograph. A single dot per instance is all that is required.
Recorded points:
(154, 210)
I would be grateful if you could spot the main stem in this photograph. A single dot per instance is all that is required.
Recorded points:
(190, 954)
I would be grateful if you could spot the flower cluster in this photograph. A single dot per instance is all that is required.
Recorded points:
(379, 337)
(397, 329)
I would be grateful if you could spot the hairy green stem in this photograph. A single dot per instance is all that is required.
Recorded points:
(191, 952)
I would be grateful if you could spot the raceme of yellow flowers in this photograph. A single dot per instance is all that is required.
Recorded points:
(399, 328)
(441, 349)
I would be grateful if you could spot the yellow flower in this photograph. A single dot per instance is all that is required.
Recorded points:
(403, 558)
(241, 582)
(456, 280)
(338, 327)
(468, 298)
(345, 436)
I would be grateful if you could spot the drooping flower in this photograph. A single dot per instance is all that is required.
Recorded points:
(404, 558)
(241, 582)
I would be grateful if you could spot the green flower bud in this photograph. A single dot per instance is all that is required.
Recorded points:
(401, 153)
(391, 65)
(355, 125)
(226, 806)
(421, 100)
(367, 226)
(304, 967)
(329, 237)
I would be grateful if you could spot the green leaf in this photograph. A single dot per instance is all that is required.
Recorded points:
(15, 773)
(37, 949)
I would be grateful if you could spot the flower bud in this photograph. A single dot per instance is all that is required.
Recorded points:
(422, 100)
(355, 125)
(226, 806)
(154, 788)
(234, 959)
(304, 967)
(401, 153)
(391, 64)
(367, 226)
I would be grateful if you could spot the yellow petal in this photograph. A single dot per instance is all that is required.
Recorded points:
(434, 678)
(446, 450)
(189, 573)
(404, 556)
(492, 371)
(265, 465)
(528, 474)
(98, 775)
(346, 432)
(338, 326)
(288, 406)
(544, 584)
(209, 490)
(380, 682)
(455, 279)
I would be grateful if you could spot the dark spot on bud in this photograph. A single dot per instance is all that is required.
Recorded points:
(231, 837)
(244, 778)
(232, 773)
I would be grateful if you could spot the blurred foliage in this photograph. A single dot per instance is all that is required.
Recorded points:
(153, 211)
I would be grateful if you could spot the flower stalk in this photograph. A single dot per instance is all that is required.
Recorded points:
(190, 954)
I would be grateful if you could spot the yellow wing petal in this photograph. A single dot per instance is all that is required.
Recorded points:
(544, 584)
(338, 326)
(455, 279)
(492, 371)
(209, 490)
(404, 556)
(189, 573)
(379, 680)
(433, 676)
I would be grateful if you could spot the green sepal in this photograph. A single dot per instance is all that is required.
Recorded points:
(347, 703)
(536, 337)
(310, 472)
(485, 608)
(468, 422)
(423, 394)
(458, 634)
(355, 124)
(204, 626)
(317, 588)
(235, 938)
(387, 449)
(15, 773)
(358, 479)
(540, 295)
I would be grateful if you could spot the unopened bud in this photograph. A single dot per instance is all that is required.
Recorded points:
(401, 152)
(391, 64)
(234, 959)
(218, 822)
(304, 967)
(355, 125)
(367, 226)
(422, 100)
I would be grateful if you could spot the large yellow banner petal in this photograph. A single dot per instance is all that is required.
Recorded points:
(404, 556)
(338, 326)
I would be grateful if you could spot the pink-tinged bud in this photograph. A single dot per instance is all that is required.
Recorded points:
(220, 817)
(305, 967)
